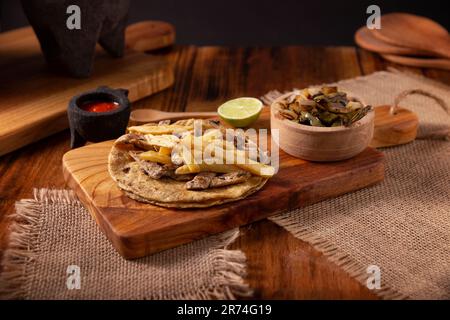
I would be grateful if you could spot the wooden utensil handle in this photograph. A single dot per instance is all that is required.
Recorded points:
(145, 115)
(187, 115)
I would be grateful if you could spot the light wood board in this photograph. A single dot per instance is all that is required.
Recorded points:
(136, 229)
(34, 100)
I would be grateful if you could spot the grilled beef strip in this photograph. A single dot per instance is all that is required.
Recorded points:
(228, 179)
(157, 171)
(138, 141)
(205, 180)
(201, 181)
(152, 169)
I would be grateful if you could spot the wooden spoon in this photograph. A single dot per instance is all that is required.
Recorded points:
(407, 30)
(419, 62)
(366, 40)
(151, 115)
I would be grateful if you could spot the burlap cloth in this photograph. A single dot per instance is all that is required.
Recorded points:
(54, 231)
(401, 225)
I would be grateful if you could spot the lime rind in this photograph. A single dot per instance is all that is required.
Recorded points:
(240, 112)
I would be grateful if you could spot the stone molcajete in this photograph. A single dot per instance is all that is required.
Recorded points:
(73, 50)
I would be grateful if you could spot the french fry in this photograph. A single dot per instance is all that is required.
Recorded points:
(258, 169)
(189, 144)
(239, 158)
(165, 151)
(186, 148)
(154, 156)
(254, 167)
(210, 135)
(164, 140)
(186, 169)
(188, 141)
(159, 130)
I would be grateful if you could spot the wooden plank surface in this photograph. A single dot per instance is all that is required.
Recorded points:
(279, 265)
(34, 100)
(147, 229)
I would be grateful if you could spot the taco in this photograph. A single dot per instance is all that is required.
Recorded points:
(156, 164)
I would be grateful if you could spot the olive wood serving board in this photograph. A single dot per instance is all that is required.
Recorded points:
(136, 229)
(34, 100)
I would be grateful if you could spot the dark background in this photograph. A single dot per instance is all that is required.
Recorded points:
(252, 22)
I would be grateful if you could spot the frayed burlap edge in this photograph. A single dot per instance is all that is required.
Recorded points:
(334, 254)
(22, 249)
(230, 266)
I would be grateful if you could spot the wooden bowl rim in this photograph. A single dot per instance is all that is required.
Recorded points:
(367, 119)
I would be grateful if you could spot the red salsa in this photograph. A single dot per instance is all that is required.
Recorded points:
(100, 106)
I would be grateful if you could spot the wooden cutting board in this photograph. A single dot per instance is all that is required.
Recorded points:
(136, 229)
(34, 100)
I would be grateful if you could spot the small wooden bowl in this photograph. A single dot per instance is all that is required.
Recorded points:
(323, 144)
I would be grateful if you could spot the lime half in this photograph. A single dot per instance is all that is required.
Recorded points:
(240, 112)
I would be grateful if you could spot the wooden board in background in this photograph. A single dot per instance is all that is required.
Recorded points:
(34, 100)
(137, 229)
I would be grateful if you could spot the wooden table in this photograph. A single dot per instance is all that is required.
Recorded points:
(279, 266)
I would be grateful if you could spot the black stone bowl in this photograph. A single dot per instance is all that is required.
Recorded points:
(98, 126)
